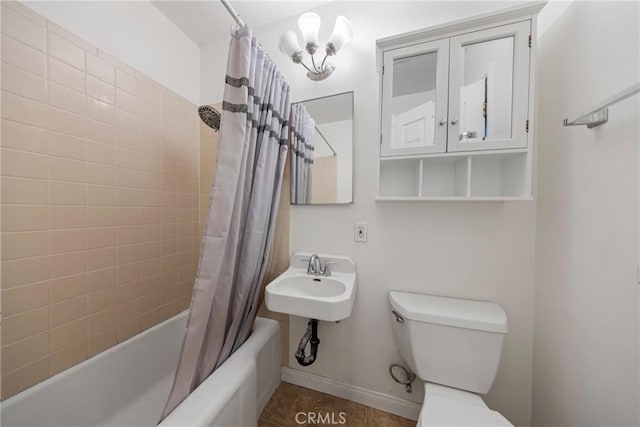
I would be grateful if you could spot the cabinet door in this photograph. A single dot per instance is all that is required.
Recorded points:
(489, 88)
(414, 99)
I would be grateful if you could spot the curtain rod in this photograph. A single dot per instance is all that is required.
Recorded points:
(233, 13)
(325, 140)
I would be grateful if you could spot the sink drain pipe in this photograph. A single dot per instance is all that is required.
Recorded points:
(311, 336)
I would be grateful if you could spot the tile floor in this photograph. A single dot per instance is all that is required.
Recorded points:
(289, 400)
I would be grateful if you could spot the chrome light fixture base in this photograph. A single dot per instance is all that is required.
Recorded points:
(321, 75)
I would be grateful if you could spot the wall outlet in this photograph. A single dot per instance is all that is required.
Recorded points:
(360, 234)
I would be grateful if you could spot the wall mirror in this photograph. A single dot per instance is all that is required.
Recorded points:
(321, 163)
(486, 91)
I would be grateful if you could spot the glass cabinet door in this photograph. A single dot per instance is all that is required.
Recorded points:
(488, 89)
(414, 99)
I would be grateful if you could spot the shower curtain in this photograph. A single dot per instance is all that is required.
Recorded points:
(239, 231)
(302, 132)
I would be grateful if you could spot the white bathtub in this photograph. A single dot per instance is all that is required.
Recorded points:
(128, 384)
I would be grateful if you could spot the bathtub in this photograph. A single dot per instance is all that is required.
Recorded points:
(128, 384)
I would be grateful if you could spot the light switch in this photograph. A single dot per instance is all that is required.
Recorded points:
(360, 232)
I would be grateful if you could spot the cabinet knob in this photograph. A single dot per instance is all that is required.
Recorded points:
(454, 121)
(443, 122)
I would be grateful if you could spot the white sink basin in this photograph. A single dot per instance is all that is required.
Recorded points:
(297, 293)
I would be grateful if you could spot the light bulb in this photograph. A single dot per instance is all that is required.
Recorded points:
(342, 34)
(309, 24)
(290, 47)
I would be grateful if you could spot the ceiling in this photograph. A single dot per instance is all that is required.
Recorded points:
(204, 21)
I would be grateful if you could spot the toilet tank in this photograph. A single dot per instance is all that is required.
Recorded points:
(449, 341)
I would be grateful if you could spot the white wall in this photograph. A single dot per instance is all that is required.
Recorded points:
(136, 33)
(472, 250)
(586, 357)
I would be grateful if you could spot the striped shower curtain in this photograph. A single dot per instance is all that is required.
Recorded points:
(302, 132)
(239, 232)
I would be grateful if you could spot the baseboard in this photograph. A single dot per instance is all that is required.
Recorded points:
(377, 400)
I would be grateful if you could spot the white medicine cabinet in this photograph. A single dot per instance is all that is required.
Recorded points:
(456, 109)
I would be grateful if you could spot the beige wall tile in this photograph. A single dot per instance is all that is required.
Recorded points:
(101, 174)
(101, 153)
(23, 110)
(25, 298)
(102, 300)
(101, 216)
(24, 325)
(128, 329)
(69, 36)
(67, 334)
(127, 215)
(101, 195)
(98, 259)
(66, 122)
(127, 82)
(66, 51)
(24, 191)
(24, 271)
(24, 245)
(127, 120)
(101, 132)
(79, 232)
(23, 164)
(23, 83)
(24, 218)
(127, 158)
(68, 287)
(102, 321)
(23, 137)
(150, 91)
(25, 351)
(21, 28)
(100, 90)
(61, 169)
(101, 237)
(127, 101)
(128, 178)
(128, 254)
(100, 111)
(71, 240)
(67, 146)
(68, 311)
(128, 234)
(102, 341)
(101, 69)
(102, 279)
(129, 292)
(66, 75)
(68, 264)
(67, 193)
(128, 273)
(64, 217)
(24, 56)
(23, 378)
(69, 357)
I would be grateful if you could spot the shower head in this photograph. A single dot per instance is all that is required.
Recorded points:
(210, 116)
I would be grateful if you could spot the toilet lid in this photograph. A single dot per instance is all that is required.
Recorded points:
(444, 411)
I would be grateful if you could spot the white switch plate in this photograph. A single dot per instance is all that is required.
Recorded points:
(360, 232)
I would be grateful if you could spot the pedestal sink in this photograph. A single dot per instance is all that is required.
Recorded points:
(329, 298)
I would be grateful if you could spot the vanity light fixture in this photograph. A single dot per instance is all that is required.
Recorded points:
(309, 24)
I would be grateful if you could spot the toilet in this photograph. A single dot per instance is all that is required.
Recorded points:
(453, 345)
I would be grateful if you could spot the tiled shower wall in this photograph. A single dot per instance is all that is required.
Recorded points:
(99, 200)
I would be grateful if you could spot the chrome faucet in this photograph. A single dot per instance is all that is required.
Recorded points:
(315, 267)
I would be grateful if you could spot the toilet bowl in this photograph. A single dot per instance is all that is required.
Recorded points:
(453, 346)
